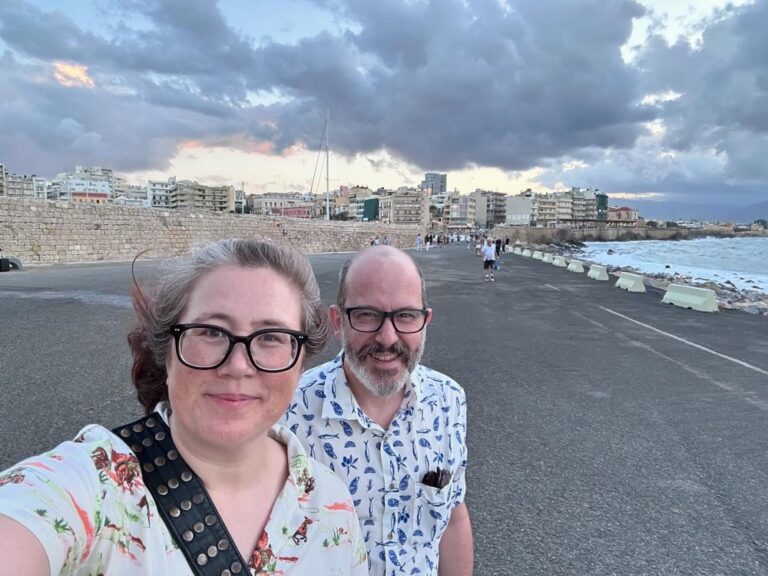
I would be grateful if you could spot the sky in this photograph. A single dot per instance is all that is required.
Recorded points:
(661, 104)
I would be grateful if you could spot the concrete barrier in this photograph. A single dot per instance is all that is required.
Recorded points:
(630, 282)
(575, 266)
(518, 251)
(537, 255)
(701, 299)
(548, 258)
(527, 253)
(560, 262)
(597, 272)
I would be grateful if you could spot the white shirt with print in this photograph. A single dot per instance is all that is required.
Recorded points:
(403, 520)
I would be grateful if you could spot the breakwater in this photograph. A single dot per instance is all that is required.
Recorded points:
(563, 235)
(45, 232)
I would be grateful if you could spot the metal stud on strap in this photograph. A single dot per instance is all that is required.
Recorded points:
(181, 498)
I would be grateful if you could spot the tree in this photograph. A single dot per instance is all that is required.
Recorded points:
(762, 221)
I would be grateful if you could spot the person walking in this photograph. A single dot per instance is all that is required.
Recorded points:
(489, 260)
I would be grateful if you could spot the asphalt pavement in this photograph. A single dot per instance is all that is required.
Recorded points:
(608, 433)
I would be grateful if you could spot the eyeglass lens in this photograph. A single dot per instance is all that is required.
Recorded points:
(206, 347)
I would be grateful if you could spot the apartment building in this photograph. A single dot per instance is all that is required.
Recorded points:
(192, 195)
(519, 210)
(435, 183)
(86, 184)
(571, 208)
(622, 217)
(459, 212)
(490, 208)
(158, 192)
(281, 204)
(405, 206)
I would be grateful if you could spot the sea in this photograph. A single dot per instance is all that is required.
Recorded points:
(742, 261)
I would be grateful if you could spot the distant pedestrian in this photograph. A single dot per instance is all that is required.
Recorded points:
(427, 241)
(498, 247)
(489, 260)
(419, 243)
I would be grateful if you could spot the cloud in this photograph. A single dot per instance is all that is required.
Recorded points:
(72, 75)
(519, 86)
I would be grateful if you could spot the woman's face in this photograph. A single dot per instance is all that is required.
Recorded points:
(234, 404)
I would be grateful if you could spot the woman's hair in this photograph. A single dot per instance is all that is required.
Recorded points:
(150, 340)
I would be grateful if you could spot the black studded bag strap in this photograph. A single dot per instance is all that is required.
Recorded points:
(182, 500)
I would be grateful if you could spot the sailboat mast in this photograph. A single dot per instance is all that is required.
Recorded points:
(327, 166)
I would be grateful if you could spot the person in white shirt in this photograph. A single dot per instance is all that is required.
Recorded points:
(394, 429)
(214, 481)
(489, 259)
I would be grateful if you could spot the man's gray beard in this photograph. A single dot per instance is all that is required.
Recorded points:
(382, 382)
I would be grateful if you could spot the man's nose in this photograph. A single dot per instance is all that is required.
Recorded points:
(387, 335)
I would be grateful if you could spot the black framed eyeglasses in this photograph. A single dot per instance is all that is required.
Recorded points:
(404, 320)
(207, 346)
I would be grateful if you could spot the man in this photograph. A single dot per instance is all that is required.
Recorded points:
(392, 428)
(489, 259)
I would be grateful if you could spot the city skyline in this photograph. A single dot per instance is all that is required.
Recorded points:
(659, 104)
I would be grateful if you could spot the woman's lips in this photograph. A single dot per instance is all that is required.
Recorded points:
(231, 398)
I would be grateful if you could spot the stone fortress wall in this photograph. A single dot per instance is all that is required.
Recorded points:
(43, 232)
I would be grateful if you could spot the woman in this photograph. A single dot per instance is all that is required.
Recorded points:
(207, 483)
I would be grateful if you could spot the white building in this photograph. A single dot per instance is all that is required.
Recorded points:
(158, 192)
(459, 213)
(85, 184)
(519, 211)
(22, 186)
(405, 206)
(190, 195)
(277, 203)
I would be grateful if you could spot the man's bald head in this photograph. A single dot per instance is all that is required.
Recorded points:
(374, 256)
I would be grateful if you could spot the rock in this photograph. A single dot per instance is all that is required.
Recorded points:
(667, 266)
(610, 251)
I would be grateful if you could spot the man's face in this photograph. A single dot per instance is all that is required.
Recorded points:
(381, 361)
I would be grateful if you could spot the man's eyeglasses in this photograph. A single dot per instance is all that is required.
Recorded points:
(405, 320)
(206, 346)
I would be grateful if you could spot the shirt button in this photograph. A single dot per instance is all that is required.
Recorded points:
(392, 486)
(391, 536)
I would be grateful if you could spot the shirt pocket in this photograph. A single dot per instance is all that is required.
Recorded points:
(431, 512)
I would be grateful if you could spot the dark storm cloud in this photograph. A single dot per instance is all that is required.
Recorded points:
(451, 84)
(441, 84)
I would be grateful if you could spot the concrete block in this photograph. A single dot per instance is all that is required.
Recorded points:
(575, 266)
(701, 299)
(537, 255)
(630, 282)
(597, 272)
(560, 262)
(518, 251)
(548, 258)
(527, 253)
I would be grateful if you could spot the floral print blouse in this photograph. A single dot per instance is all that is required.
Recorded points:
(86, 503)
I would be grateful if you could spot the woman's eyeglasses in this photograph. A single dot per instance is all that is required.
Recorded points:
(206, 346)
